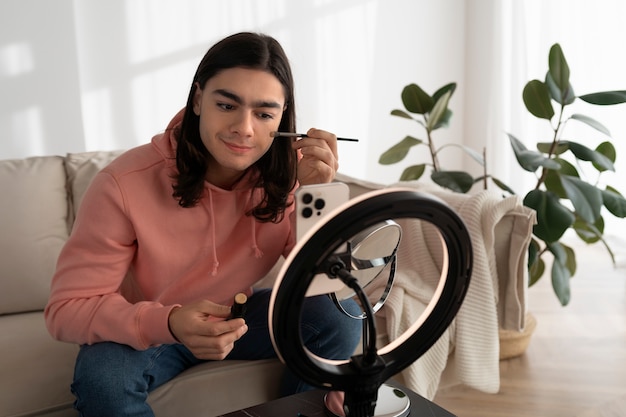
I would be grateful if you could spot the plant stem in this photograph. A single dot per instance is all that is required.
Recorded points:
(484, 168)
(431, 146)
(433, 152)
(555, 142)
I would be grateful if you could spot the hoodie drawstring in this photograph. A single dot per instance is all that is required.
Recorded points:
(255, 247)
(258, 253)
(216, 263)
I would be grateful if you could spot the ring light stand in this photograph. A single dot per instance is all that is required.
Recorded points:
(361, 376)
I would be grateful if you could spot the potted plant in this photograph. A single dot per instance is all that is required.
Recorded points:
(564, 196)
(432, 113)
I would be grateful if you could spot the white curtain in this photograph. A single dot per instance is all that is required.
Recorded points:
(507, 45)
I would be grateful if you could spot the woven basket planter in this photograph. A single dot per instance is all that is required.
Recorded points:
(513, 343)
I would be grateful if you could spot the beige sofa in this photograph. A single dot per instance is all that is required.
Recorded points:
(40, 197)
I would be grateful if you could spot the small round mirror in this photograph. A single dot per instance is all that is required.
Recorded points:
(372, 262)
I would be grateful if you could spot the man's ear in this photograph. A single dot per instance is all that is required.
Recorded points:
(197, 98)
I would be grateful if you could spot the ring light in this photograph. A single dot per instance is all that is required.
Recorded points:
(360, 377)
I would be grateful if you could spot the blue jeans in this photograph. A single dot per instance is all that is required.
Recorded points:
(111, 379)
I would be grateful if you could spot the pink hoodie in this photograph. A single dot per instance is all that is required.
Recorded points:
(129, 225)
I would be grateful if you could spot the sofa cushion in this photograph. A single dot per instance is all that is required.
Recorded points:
(81, 168)
(33, 212)
(37, 370)
(218, 387)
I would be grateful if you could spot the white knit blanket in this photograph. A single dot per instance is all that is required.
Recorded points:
(473, 335)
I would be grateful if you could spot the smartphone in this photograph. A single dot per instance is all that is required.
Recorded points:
(313, 203)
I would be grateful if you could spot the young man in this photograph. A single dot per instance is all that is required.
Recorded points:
(170, 231)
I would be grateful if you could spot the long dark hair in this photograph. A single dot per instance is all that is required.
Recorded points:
(277, 168)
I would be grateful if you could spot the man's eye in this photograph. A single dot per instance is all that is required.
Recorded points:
(225, 106)
(266, 116)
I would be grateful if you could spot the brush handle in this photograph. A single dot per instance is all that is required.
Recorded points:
(304, 135)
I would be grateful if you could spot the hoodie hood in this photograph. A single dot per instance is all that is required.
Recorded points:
(244, 192)
(165, 143)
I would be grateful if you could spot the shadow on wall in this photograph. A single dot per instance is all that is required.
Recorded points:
(87, 76)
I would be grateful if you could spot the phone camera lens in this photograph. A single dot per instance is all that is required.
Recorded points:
(307, 212)
(320, 203)
(307, 198)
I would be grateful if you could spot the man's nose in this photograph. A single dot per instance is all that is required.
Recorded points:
(243, 124)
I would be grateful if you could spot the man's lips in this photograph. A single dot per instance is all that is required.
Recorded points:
(237, 147)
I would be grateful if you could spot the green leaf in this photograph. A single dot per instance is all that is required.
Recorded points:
(553, 219)
(605, 98)
(398, 151)
(545, 147)
(537, 100)
(476, 156)
(564, 255)
(585, 154)
(607, 149)
(530, 160)
(445, 120)
(533, 251)
(614, 202)
(553, 178)
(567, 168)
(502, 185)
(401, 113)
(560, 282)
(559, 70)
(536, 271)
(552, 182)
(570, 262)
(586, 198)
(414, 172)
(438, 111)
(563, 268)
(591, 122)
(458, 181)
(589, 233)
(451, 87)
(565, 98)
(416, 100)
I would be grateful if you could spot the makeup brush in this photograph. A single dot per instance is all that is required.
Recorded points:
(303, 135)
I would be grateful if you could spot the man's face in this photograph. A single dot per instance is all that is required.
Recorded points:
(238, 109)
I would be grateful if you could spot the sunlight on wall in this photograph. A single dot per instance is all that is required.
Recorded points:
(24, 124)
(16, 59)
(345, 64)
(329, 44)
(97, 115)
(165, 42)
(153, 94)
(26, 129)
(166, 27)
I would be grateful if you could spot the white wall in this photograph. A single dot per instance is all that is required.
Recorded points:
(89, 75)
(39, 90)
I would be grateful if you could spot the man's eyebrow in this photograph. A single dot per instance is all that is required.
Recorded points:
(261, 103)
